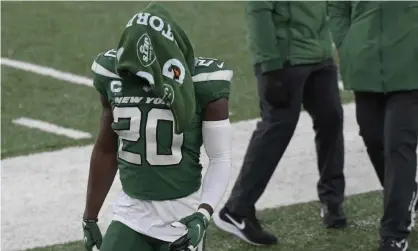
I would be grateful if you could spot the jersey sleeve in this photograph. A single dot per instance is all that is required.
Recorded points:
(103, 69)
(212, 79)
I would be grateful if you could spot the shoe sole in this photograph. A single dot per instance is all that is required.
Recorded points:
(335, 223)
(229, 228)
(338, 224)
(405, 248)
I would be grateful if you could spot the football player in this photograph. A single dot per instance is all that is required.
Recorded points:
(143, 135)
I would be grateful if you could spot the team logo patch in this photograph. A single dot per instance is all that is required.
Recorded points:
(176, 72)
(144, 50)
(168, 97)
(174, 69)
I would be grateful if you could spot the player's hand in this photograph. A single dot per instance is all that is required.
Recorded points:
(92, 234)
(276, 92)
(196, 225)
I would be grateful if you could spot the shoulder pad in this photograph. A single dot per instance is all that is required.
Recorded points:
(211, 69)
(104, 64)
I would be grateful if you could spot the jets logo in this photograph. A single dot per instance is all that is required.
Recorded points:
(168, 97)
(145, 51)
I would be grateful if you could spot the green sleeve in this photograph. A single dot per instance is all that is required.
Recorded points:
(212, 80)
(262, 35)
(209, 91)
(339, 13)
(103, 71)
(99, 85)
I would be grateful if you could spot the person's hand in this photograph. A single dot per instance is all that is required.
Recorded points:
(196, 225)
(92, 234)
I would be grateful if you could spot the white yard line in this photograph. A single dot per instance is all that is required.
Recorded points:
(47, 71)
(51, 128)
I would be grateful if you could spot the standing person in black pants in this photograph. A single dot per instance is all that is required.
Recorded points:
(292, 53)
(378, 48)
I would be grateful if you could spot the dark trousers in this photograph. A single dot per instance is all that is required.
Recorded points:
(389, 127)
(316, 88)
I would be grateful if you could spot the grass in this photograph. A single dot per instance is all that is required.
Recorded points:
(299, 229)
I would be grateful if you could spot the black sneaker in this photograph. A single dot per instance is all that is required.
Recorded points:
(333, 216)
(389, 244)
(245, 228)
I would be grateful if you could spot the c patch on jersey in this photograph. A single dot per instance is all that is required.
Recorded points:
(116, 87)
(144, 51)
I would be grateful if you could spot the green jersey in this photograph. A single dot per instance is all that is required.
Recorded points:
(155, 163)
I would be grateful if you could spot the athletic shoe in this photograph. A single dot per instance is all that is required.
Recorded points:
(245, 228)
(333, 216)
(389, 244)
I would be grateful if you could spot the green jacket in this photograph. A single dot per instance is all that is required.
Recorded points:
(377, 44)
(291, 31)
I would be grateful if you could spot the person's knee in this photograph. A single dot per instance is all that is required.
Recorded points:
(372, 137)
(284, 123)
(400, 139)
(335, 117)
(288, 116)
(331, 119)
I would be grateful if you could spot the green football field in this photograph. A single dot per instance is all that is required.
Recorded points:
(47, 49)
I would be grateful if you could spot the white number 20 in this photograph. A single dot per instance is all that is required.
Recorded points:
(155, 116)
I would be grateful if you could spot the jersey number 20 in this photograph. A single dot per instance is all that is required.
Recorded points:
(153, 119)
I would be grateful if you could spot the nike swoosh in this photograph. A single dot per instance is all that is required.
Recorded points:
(220, 65)
(240, 226)
(400, 244)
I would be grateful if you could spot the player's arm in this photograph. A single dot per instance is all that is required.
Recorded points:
(261, 30)
(212, 86)
(216, 130)
(339, 13)
(103, 166)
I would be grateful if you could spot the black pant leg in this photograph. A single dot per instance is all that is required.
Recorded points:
(400, 140)
(370, 114)
(322, 101)
(268, 143)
